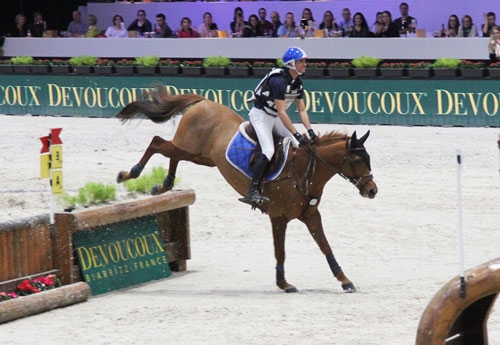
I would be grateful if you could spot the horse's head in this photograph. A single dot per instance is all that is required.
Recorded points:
(357, 167)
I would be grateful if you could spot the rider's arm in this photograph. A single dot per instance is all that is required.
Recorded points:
(281, 108)
(304, 117)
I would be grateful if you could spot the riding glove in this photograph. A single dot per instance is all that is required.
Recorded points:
(312, 135)
(300, 138)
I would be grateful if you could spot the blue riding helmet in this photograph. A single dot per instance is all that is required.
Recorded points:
(291, 55)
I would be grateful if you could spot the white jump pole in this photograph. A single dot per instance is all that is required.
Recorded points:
(460, 230)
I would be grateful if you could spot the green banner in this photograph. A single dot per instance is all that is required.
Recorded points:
(118, 255)
(452, 102)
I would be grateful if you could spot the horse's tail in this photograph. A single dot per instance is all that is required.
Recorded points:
(158, 105)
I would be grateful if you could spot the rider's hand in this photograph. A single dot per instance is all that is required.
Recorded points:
(312, 136)
(300, 138)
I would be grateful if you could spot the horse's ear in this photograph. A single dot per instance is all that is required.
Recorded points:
(364, 137)
(354, 137)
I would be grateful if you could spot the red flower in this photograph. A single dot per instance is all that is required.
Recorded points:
(27, 287)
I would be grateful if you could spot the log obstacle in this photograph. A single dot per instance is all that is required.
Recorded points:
(452, 320)
(43, 301)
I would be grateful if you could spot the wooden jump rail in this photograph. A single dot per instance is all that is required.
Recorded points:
(452, 320)
(28, 247)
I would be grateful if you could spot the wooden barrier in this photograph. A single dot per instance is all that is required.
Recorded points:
(452, 320)
(28, 247)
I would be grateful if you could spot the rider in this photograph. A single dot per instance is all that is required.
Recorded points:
(272, 97)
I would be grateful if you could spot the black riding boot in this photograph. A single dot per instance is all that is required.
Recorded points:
(253, 195)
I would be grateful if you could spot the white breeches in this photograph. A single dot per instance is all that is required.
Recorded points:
(265, 125)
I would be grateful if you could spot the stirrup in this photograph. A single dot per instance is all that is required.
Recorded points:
(254, 198)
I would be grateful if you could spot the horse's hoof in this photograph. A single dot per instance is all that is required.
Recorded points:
(291, 289)
(349, 288)
(121, 177)
(157, 190)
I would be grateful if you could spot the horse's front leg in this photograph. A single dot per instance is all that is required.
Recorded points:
(279, 230)
(157, 145)
(313, 222)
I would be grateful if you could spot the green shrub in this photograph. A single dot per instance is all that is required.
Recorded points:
(217, 61)
(146, 182)
(151, 60)
(90, 194)
(365, 62)
(446, 63)
(22, 60)
(83, 60)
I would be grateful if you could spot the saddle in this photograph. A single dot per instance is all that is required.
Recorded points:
(279, 155)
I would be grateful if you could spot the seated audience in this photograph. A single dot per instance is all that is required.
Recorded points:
(117, 30)
(93, 30)
(141, 25)
(265, 26)
(389, 29)
(405, 23)
(185, 31)
(238, 12)
(329, 24)
(275, 20)
(162, 30)
(208, 28)
(289, 29)
(20, 29)
(451, 30)
(39, 26)
(239, 25)
(77, 28)
(252, 27)
(467, 29)
(360, 27)
(494, 44)
(307, 23)
(378, 25)
(489, 23)
(346, 23)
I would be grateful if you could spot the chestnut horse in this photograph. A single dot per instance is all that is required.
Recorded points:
(202, 137)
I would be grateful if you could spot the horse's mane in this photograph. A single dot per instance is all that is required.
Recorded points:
(331, 137)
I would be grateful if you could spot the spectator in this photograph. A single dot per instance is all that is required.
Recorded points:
(265, 26)
(238, 12)
(239, 25)
(162, 30)
(346, 23)
(489, 23)
(117, 30)
(360, 27)
(77, 28)
(208, 28)
(141, 25)
(494, 44)
(185, 31)
(93, 30)
(329, 24)
(378, 25)
(20, 29)
(406, 23)
(389, 29)
(467, 29)
(307, 23)
(289, 29)
(452, 29)
(275, 20)
(39, 26)
(252, 27)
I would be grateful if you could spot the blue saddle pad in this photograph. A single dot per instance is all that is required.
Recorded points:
(240, 150)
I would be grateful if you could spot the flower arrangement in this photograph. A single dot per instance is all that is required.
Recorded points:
(59, 62)
(126, 62)
(421, 64)
(29, 287)
(151, 60)
(243, 64)
(494, 65)
(5, 62)
(192, 63)
(471, 64)
(337, 64)
(393, 65)
(263, 64)
(365, 62)
(452, 63)
(169, 62)
(105, 62)
(41, 62)
(316, 65)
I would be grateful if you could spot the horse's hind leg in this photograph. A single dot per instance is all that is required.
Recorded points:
(279, 229)
(157, 145)
(313, 222)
